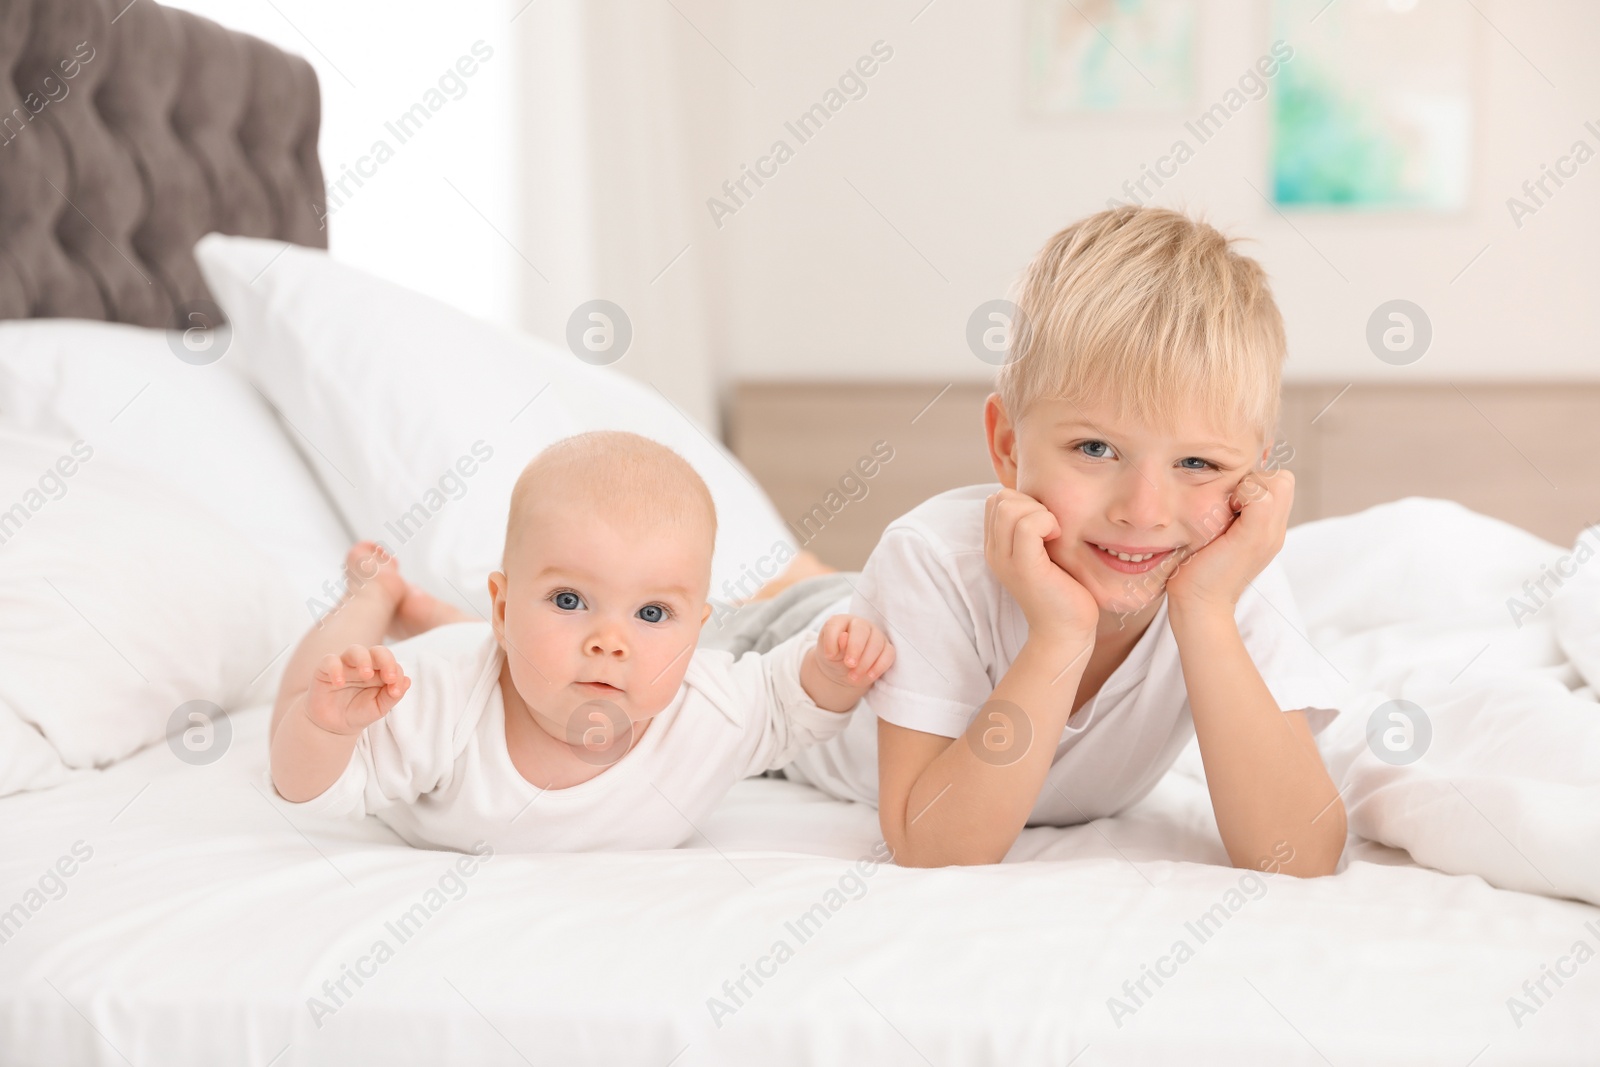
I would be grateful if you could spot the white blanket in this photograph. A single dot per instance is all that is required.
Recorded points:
(205, 927)
(1428, 602)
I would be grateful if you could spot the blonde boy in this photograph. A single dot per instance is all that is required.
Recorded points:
(1065, 633)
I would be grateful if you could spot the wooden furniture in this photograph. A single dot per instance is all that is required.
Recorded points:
(1525, 452)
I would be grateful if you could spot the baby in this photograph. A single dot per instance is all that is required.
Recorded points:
(581, 716)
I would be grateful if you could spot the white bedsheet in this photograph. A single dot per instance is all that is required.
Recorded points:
(205, 920)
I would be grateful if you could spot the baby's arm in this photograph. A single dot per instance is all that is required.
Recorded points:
(379, 604)
(851, 654)
(799, 692)
(302, 751)
(361, 619)
(320, 727)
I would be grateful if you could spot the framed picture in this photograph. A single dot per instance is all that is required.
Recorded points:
(1109, 55)
(1374, 112)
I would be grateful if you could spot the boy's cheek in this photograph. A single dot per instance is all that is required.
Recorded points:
(1083, 572)
(1063, 553)
(1207, 519)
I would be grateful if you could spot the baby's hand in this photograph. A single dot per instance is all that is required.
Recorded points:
(354, 689)
(852, 652)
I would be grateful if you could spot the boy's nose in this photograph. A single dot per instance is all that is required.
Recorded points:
(1140, 502)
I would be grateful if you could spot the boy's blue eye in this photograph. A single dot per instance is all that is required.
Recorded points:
(1204, 464)
(567, 600)
(1094, 444)
(653, 613)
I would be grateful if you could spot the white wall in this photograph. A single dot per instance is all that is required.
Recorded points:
(594, 137)
(809, 281)
(605, 171)
(548, 183)
(406, 222)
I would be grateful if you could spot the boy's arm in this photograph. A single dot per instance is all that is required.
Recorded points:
(965, 801)
(1269, 788)
(1268, 785)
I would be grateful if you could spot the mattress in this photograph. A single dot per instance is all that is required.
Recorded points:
(200, 924)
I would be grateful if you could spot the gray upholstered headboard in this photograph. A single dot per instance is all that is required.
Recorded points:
(127, 132)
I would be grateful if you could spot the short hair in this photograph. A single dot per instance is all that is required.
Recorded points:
(627, 474)
(1152, 311)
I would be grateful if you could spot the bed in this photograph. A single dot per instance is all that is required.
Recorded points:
(159, 906)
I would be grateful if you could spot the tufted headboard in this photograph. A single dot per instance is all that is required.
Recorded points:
(127, 132)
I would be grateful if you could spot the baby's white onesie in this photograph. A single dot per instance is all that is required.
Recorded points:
(436, 768)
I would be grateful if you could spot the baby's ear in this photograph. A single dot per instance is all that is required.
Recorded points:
(497, 601)
(706, 614)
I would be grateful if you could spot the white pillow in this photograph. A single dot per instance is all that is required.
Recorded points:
(120, 602)
(411, 408)
(201, 429)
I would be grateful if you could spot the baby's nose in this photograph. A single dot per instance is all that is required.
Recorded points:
(608, 641)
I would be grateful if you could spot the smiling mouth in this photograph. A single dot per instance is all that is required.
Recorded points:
(1130, 559)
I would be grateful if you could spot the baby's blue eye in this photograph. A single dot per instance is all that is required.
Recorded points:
(567, 600)
(1204, 464)
(653, 613)
(1094, 444)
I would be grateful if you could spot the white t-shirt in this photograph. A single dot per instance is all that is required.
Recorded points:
(957, 630)
(436, 768)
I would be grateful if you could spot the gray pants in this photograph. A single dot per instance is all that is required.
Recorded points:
(762, 624)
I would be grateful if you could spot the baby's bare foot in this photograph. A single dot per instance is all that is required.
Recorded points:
(372, 571)
(412, 610)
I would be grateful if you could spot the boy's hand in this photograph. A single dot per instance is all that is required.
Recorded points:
(853, 653)
(354, 689)
(1015, 529)
(1216, 574)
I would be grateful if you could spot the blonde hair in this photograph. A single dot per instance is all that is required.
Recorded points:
(1152, 311)
(620, 473)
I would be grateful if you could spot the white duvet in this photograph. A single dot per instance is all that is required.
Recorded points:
(1495, 635)
(204, 927)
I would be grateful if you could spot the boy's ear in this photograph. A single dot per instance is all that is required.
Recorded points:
(1001, 433)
